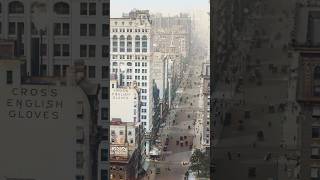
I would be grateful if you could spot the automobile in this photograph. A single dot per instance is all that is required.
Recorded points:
(165, 148)
(157, 170)
(184, 163)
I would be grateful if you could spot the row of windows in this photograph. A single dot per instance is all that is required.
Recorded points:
(138, 83)
(128, 30)
(128, 48)
(91, 73)
(62, 8)
(137, 78)
(59, 29)
(85, 50)
(121, 132)
(90, 29)
(129, 57)
(90, 50)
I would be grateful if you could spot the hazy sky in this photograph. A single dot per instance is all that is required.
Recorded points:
(164, 6)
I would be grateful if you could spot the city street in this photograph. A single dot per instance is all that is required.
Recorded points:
(179, 129)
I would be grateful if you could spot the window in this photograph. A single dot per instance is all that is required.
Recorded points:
(131, 141)
(44, 49)
(92, 29)
(105, 30)
(83, 8)
(65, 29)
(315, 153)
(0, 8)
(143, 117)
(83, 50)
(137, 44)
(56, 70)
(122, 43)
(104, 92)
(16, 7)
(129, 63)
(79, 160)
(316, 82)
(64, 70)
(315, 132)
(129, 43)
(129, 133)
(105, 72)
(114, 64)
(314, 172)
(104, 174)
(92, 72)
(79, 177)
(57, 50)
(121, 132)
(61, 8)
(12, 28)
(105, 51)
(80, 135)
(104, 113)
(92, 9)
(65, 50)
(83, 29)
(9, 77)
(57, 29)
(115, 43)
(144, 43)
(104, 154)
(105, 9)
(92, 50)
(144, 110)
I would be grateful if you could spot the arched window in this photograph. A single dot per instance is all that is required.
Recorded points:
(122, 43)
(61, 8)
(137, 43)
(16, 7)
(144, 43)
(114, 43)
(316, 81)
(129, 43)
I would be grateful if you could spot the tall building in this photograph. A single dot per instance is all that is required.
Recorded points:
(305, 83)
(51, 122)
(130, 52)
(52, 35)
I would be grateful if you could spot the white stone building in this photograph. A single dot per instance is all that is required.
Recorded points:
(130, 57)
(53, 34)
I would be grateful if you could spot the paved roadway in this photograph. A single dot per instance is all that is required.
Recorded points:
(182, 115)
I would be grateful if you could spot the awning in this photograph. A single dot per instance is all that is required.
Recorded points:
(145, 165)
